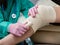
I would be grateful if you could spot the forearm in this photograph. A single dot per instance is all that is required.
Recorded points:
(6, 43)
(11, 39)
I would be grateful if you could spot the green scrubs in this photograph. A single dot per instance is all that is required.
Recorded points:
(12, 13)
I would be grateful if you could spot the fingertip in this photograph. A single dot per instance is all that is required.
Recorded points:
(28, 28)
(36, 6)
(33, 16)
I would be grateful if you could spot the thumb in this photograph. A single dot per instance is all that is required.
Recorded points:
(28, 24)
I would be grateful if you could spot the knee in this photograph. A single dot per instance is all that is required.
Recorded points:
(47, 13)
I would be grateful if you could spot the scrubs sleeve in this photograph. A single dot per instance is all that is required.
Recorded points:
(25, 6)
(3, 26)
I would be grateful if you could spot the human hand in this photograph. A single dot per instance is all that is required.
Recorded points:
(33, 11)
(18, 29)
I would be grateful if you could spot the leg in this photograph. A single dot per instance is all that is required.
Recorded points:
(45, 16)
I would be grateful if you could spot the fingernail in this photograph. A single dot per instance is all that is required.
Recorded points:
(33, 16)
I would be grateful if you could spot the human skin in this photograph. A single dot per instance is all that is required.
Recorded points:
(12, 40)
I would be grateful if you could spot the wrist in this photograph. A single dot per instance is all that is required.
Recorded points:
(9, 27)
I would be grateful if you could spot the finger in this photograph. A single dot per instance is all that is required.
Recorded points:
(36, 6)
(29, 12)
(26, 27)
(28, 24)
(22, 26)
(33, 13)
(21, 32)
(12, 31)
(25, 22)
(17, 33)
(22, 29)
(35, 10)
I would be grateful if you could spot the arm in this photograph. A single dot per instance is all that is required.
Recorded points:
(13, 39)
(24, 10)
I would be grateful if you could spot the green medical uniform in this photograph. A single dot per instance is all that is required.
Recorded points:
(12, 13)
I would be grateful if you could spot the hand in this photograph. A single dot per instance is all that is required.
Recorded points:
(33, 11)
(17, 29)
